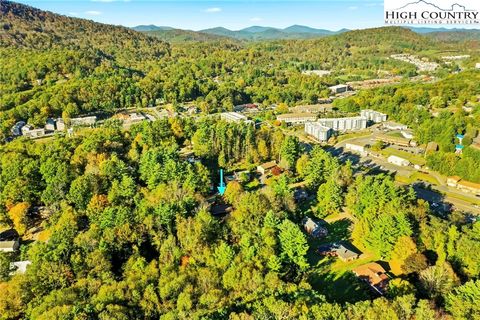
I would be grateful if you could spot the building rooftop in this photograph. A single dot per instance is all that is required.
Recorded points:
(268, 165)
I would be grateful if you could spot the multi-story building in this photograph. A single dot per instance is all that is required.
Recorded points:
(297, 118)
(341, 88)
(344, 124)
(373, 115)
(318, 131)
(85, 121)
(234, 117)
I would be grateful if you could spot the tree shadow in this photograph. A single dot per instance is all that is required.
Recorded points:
(340, 288)
(339, 230)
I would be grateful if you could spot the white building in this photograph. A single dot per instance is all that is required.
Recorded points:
(395, 126)
(318, 131)
(344, 124)
(398, 161)
(35, 133)
(477, 66)
(373, 115)
(85, 121)
(355, 148)
(407, 134)
(60, 124)
(234, 117)
(340, 88)
(9, 245)
(19, 267)
(297, 118)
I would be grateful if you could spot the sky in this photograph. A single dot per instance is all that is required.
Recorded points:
(232, 14)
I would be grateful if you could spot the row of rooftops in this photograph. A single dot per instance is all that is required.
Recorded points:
(22, 128)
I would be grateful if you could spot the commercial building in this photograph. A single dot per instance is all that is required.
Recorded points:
(341, 88)
(344, 124)
(356, 148)
(318, 131)
(297, 118)
(394, 126)
(399, 141)
(234, 117)
(463, 185)
(312, 108)
(398, 161)
(373, 115)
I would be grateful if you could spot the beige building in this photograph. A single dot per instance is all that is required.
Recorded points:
(297, 118)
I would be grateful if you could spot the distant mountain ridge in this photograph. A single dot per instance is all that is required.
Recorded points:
(271, 33)
(256, 32)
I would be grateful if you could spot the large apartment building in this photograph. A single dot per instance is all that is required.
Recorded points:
(318, 131)
(344, 124)
(373, 115)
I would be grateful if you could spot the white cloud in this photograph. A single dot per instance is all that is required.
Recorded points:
(353, 8)
(213, 10)
(256, 19)
(73, 13)
(373, 4)
(93, 13)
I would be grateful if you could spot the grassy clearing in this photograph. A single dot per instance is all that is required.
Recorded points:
(417, 176)
(462, 197)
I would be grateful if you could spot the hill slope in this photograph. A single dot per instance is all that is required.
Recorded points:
(27, 27)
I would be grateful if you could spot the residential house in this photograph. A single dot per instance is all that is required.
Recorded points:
(50, 125)
(431, 147)
(60, 124)
(340, 250)
(314, 228)
(17, 128)
(374, 275)
(9, 241)
(266, 167)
